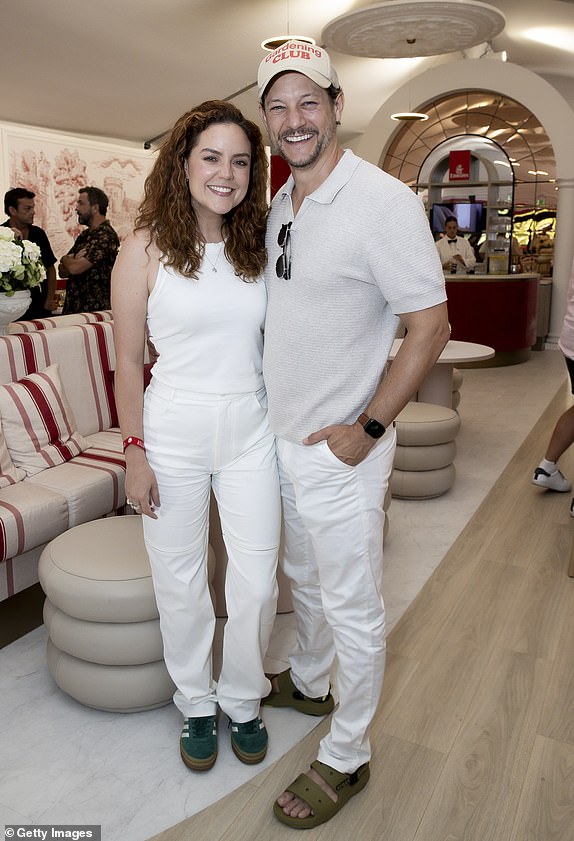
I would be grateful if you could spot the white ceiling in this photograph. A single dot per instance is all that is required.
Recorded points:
(127, 69)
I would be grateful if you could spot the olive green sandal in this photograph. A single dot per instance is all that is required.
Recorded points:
(346, 786)
(288, 695)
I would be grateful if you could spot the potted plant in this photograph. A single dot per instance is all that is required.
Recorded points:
(21, 269)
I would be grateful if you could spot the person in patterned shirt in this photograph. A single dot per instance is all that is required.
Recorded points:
(88, 264)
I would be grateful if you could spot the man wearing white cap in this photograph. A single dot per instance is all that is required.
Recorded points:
(338, 278)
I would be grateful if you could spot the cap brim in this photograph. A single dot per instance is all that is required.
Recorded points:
(316, 77)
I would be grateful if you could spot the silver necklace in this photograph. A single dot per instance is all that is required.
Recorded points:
(219, 253)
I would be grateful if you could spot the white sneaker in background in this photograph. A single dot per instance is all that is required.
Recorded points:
(553, 481)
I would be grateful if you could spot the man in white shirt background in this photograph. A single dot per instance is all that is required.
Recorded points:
(454, 250)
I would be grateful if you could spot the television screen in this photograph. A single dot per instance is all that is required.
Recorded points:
(470, 216)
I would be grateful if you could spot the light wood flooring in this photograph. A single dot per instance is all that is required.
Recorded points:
(474, 737)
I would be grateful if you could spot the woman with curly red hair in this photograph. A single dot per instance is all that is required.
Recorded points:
(191, 276)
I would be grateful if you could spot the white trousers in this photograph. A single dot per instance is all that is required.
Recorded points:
(333, 555)
(196, 442)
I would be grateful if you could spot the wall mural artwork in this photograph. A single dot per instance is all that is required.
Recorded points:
(55, 168)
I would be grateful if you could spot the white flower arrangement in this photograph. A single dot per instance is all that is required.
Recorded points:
(21, 265)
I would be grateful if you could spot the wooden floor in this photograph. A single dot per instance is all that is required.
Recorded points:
(474, 737)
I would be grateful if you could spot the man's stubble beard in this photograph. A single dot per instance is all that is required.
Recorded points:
(281, 148)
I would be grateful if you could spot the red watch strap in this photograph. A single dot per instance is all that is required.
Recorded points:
(132, 439)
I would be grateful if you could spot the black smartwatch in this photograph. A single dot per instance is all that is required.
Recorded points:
(372, 427)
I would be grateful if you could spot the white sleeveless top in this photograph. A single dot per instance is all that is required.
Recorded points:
(208, 332)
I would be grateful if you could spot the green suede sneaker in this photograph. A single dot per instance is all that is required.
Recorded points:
(198, 742)
(249, 741)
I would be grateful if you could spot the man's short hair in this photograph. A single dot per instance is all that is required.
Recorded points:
(451, 219)
(12, 197)
(97, 196)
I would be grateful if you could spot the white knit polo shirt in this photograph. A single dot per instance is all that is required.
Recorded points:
(361, 254)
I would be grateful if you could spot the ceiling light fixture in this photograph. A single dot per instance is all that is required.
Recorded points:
(410, 116)
(278, 40)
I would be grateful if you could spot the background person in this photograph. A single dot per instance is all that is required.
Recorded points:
(88, 264)
(192, 272)
(338, 279)
(453, 249)
(547, 475)
(19, 206)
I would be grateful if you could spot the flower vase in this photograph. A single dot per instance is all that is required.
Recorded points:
(12, 307)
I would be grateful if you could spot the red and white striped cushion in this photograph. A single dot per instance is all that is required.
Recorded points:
(38, 423)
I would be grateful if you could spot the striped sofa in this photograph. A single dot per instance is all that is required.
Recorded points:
(58, 321)
(77, 481)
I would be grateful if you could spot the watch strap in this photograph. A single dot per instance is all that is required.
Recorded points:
(372, 426)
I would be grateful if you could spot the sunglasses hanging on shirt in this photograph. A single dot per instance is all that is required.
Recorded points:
(283, 264)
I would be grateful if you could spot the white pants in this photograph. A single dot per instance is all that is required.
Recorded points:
(196, 442)
(333, 556)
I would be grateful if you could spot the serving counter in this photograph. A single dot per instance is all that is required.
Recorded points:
(496, 310)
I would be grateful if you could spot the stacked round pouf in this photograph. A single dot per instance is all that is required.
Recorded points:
(104, 647)
(426, 449)
(456, 385)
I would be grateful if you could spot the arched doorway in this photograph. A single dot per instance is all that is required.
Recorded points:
(512, 84)
(479, 120)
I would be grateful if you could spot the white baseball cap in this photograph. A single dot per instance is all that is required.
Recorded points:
(299, 57)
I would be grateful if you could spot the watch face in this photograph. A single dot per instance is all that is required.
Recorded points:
(374, 428)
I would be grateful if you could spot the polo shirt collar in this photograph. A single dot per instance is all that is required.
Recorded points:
(337, 179)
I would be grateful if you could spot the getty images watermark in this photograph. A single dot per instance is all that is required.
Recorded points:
(51, 832)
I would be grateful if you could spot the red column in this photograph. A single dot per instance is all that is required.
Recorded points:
(279, 173)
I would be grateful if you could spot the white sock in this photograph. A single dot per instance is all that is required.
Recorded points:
(548, 466)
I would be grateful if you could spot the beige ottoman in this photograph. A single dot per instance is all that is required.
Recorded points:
(457, 377)
(104, 647)
(426, 449)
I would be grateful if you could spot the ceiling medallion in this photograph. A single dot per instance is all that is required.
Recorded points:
(439, 26)
(277, 40)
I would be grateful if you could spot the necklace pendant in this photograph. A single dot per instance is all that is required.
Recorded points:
(213, 263)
